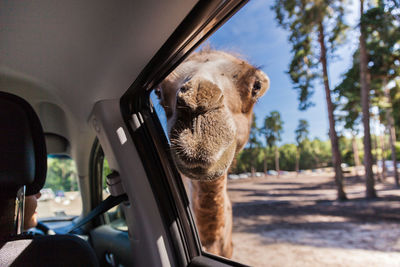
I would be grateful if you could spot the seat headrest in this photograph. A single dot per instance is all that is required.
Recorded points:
(23, 157)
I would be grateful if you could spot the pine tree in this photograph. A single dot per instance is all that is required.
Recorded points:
(316, 28)
(301, 133)
(273, 128)
(380, 24)
(365, 91)
(254, 144)
(382, 40)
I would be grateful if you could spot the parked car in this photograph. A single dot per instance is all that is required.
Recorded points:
(47, 194)
(272, 172)
(243, 176)
(389, 165)
(345, 168)
(233, 176)
(60, 193)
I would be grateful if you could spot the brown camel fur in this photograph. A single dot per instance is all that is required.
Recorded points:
(208, 101)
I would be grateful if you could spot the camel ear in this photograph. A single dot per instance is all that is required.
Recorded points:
(260, 84)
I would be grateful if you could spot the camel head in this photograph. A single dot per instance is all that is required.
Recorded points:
(208, 101)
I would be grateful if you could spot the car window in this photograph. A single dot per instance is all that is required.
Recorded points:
(60, 195)
(115, 217)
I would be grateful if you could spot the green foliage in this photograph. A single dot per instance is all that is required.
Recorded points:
(254, 132)
(301, 132)
(397, 150)
(314, 154)
(305, 19)
(248, 158)
(383, 38)
(395, 96)
(349, 96)
(273, 128)
(383, 47)
(106, 171)
(346, 149)
(61, 174)
(287, 157)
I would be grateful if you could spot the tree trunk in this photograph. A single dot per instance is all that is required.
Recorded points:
(382, 145)
(277, 159)
(266, 160)
(364, 81)
(317, 161)
(392, 140)
(375, 144)
(265, 165)
(336, 158)
(392, 133)
(355, 154)
(297, 161)
(253, 162)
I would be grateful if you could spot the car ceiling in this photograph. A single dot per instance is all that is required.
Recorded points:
(75, 53)
(64, 56)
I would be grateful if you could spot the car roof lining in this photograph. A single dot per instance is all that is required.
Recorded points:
(72, 54)
(85, 51)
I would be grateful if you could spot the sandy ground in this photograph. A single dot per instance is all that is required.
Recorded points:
(296, 221)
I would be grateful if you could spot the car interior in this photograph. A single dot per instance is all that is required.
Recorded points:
(87, 69)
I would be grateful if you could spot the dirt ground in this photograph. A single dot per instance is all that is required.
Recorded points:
(296, 221)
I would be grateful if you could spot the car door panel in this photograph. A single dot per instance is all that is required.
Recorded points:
(111, 246)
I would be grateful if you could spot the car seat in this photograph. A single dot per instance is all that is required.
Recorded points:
(23, 164)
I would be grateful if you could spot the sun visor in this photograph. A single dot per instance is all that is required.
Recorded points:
(56, 144)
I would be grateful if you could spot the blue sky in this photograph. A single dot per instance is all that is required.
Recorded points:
(254, 33)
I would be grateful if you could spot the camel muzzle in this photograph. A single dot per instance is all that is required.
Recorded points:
(201, 143)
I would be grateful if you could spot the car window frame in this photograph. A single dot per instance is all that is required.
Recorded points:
(96, 162)
(149, 138)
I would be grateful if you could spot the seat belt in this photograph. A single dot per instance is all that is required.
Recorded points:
(107, 204)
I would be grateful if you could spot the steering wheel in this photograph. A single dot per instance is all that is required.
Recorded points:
(45, 229)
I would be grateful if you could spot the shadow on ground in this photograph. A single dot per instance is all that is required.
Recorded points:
(305, 212)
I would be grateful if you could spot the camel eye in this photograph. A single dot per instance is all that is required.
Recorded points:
(256, 88)
(158, 93)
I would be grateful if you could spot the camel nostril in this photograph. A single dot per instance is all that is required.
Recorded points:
(184, 89)
(180, 102)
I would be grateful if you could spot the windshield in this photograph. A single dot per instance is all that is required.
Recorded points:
(60, 194)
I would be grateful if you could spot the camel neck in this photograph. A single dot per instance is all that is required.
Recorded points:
(213, 188)
(211, 205)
